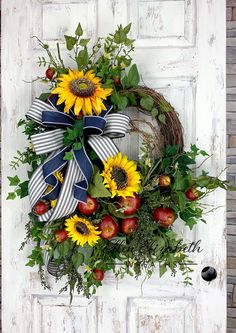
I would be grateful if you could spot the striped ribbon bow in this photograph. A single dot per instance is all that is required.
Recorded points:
(98, 131)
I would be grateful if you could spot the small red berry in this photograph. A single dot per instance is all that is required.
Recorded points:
(50, 73)
(116, 80)
(41, 207)
(98, 274)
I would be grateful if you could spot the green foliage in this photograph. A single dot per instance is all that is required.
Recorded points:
(132, 79)
(70, 42)
(96, 187)
(147, 103)
(13, 180)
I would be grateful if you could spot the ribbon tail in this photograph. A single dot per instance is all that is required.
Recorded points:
(67, 203)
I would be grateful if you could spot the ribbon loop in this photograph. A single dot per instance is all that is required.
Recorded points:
(47, 142)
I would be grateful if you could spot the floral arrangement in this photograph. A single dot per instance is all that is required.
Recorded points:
(93, 209)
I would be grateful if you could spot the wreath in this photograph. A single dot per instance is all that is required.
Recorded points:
(93, 209)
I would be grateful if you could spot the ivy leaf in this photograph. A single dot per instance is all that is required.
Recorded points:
(154, 112)
(21, 122)
(119, 36)
(162, 118)
(171, 150)
(77, 145)
(79, 30)
(14, 181)
(162, 270)
(44, 96)
(128, 41)
(133, 77)
(18, 192)
(82, 58)
(56, 253)
(83, 42)
(124, 82)
(86, 251)
(127, 28)
(122, 102)
(180, 183)
(132, 98)
(68, 156)
(203, 181)
(77, 259)
(96, 188)
(191, 222)
(147, 103)
(65, 247)
(70, 42)
(24, 189)
(182, 201)
(197, 151)
(11, 196)
(30, 263)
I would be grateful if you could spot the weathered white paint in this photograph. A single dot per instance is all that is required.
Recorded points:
(180, 51)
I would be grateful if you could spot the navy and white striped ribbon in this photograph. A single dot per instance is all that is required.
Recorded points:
(47, 142)
(99, 131)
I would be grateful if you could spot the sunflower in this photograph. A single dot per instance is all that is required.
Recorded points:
(81, 231)
(83, 91)
(121, 176)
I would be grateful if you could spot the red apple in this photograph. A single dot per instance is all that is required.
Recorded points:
(50, 73)
(164, 181)
(41, 207)
(98, 274)
(130, 204)
(129, 225)
(164, 216)
(192, 194)
(61, 235)
(108, 227)
(89, 207)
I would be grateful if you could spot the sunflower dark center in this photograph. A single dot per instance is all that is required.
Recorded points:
(119, 175)
(82, 87)
(82, 228)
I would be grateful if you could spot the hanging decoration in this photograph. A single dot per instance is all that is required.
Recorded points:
(94, 209)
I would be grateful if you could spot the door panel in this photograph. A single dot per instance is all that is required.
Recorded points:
(179, 51)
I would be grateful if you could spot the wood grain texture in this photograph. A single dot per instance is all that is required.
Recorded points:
(184, 59)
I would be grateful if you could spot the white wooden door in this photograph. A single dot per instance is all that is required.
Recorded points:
(180, 50)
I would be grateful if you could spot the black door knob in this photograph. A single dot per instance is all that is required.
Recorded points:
(209, 273)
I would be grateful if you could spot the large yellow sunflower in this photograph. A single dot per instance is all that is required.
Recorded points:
(81, 231)
(121, 176)
(83, 91)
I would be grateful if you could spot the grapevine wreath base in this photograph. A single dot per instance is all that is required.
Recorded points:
(92, 207)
